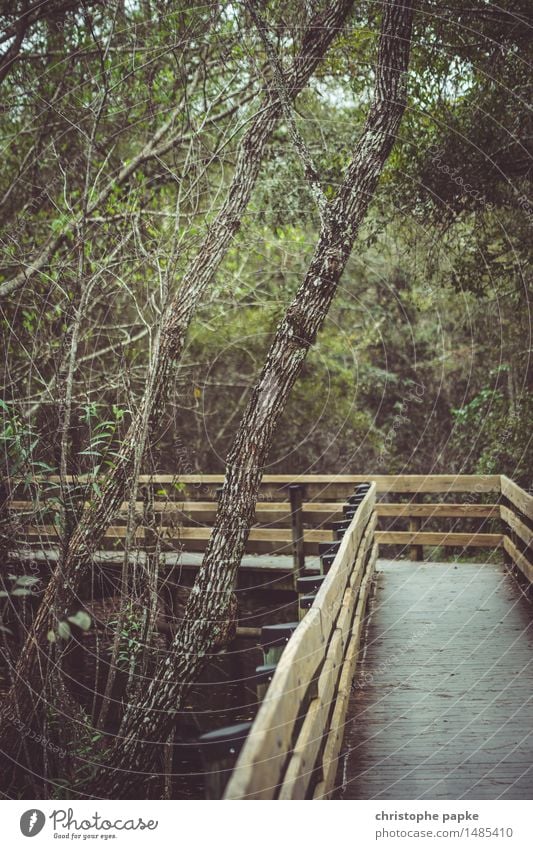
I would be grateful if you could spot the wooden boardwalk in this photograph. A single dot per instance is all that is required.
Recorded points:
(442, 705)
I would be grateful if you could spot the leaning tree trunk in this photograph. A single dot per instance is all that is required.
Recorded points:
(210, 611)
(62, 591)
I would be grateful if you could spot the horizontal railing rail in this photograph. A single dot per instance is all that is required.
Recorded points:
(274, 513)
(318, 487)
(183, 522)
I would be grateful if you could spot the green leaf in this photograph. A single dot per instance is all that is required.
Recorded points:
(63, 630)
(81, 619)
(27, 580)
(20, 592)
(44, 466)
(51, 637)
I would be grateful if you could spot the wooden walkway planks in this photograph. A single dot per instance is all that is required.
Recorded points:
(442, 706)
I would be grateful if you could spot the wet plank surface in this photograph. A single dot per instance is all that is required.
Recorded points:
(442, 706)
(188, 559)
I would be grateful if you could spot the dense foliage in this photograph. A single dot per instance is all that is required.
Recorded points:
(424, 362)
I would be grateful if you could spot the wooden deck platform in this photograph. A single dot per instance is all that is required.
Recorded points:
(442, 705)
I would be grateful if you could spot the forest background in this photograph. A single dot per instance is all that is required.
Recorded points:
(424, 360)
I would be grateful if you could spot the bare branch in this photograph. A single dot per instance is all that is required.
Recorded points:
(310, 170)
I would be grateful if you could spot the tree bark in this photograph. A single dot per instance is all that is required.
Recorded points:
(210, 610)
(61, 592)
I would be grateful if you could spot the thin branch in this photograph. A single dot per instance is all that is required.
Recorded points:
(156, 147)
(309, 168)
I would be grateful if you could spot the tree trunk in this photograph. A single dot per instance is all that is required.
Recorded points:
(210, 611)
(61, 593)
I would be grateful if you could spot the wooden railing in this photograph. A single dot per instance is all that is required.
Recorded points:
(185, 508)
(517, 513)
(295, 738)
(293, 745)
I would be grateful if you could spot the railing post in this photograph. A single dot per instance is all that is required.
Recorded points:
(307, 588)
(327, 552)
(506, 530)
(219, 750)
(416, 552)
(296, 492)
(263, 677)
(274, 638)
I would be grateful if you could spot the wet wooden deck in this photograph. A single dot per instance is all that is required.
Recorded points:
(442, 706)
